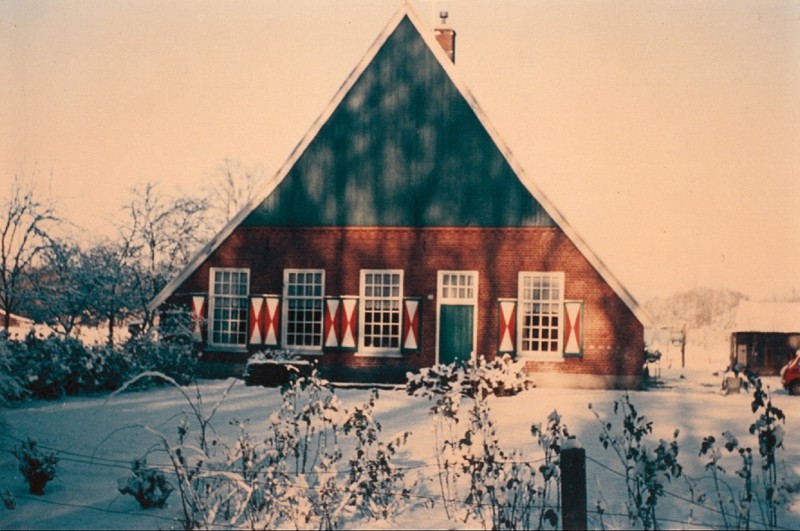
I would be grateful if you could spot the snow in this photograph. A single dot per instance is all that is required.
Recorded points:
(781, 317)
(97, 438)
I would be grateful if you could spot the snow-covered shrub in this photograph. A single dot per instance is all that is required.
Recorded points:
(768, 428)
(501, 483)
(174, 354)
(11, 387)
(377, 488)
(551, 439)
(765, 487)
(500, 377)
(647, 465)
(148, 485)
(38, 467)
(477, 477)
(55, 366)
(9, 500)
(291, 474)
(273, 368)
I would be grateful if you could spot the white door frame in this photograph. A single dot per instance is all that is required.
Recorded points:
(464, 300)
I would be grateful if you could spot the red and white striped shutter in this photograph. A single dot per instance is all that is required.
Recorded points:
(256, 325)
(330, 331)
(272, 307)
(198, 315)
(573, 328)
(410, 337)
(349, 322)
(508, 324)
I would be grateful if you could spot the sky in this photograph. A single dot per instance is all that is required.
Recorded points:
(666, 132)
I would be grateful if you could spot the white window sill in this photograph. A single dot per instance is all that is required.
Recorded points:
(226, 348)
(379, 353)
(541, 356)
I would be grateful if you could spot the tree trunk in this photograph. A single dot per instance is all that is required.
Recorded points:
(111, 332)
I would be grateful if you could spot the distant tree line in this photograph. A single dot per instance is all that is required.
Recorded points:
(50, 276)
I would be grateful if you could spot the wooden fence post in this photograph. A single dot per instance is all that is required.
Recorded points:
(573, 485)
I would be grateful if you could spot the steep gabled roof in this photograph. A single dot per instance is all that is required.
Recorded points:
(416, 174)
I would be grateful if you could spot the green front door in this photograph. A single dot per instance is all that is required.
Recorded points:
(455, 333)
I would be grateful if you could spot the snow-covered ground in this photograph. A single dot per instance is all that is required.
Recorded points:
(96, 440)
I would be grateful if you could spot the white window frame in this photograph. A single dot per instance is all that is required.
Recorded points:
(541, 355)
(387, 352)
(213, 300)
(313, 349)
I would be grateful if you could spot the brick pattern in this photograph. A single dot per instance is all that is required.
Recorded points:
(613, 339)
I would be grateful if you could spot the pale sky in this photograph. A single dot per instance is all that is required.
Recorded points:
(666, 132)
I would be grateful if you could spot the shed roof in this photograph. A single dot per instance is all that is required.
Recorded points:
(781, 317)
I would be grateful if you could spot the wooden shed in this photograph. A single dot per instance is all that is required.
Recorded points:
(765, 335)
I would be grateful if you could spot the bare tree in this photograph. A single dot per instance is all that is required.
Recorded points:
(110, 278)
(161, 235)
(233, 186)
(25, 225)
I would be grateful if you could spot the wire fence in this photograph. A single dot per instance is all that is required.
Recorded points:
(429, 499)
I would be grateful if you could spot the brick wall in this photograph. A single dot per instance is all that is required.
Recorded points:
(613, 337)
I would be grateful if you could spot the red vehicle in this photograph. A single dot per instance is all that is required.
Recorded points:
(790, 376)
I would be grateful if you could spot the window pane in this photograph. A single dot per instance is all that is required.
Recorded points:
(381, 303)
(304, 291)
(541, 307)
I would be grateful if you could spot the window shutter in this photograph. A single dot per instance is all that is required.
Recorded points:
(507, 339)
(573, 329)
(255, 328)
(410, 339)
(272, 315)
(332, 318)
(198, 316)
(348, 325)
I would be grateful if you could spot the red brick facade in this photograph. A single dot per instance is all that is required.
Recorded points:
(613, 336)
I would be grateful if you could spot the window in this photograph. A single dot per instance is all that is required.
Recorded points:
(228, 307)
(303, 291)
(381, 303)
(541, 302)
(457, 287)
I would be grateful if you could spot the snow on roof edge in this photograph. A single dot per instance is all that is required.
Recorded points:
(780, 317)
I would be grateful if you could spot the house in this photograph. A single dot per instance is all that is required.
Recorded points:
(765, 335)
(18, 326)
(401, 233)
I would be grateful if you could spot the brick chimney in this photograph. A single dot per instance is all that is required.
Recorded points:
(446, 37)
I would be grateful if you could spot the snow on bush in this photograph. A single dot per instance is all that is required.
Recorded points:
(478, 478)
(149, 486)
(648, 466)
(293, 472)
(55, 366)
(38, 467)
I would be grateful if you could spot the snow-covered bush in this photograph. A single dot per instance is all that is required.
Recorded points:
(294, 473)
(273, 368)
(647, 465)
(500, 376)
(377, 488)
(766, 487)
(38, 467)
(173, 353)
(148, 485)
(11, 387)
(478, 478)
(55, 366)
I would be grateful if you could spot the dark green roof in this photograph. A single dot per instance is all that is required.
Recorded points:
(402, 148)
